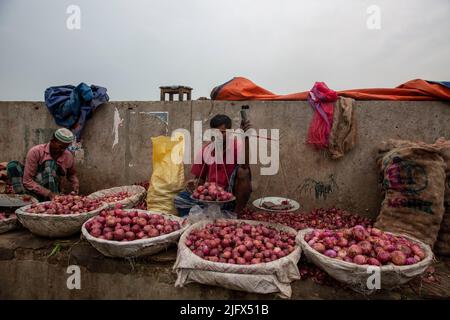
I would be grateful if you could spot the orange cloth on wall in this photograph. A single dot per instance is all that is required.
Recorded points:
(240, 88)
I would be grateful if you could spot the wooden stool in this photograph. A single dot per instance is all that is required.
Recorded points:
(171, 90)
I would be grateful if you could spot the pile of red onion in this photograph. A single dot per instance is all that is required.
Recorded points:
(309, 270)
(210, 191)
(241, 243)
(65, 204)
(115, 197)
(120, 225)
(365, 246)
(332, 218)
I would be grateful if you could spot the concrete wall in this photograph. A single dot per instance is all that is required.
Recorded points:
(105, 161)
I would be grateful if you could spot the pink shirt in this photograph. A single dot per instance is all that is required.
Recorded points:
(219, 173)
(37, 156)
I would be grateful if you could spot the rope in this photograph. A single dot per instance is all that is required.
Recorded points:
(283, 177)
(284, 182)
(225, 169)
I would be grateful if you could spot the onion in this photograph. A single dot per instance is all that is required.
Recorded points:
(360, 259)
(119, 234)
(330, 253)
(153, 233)
(319, 247)
(383, 256)
(373, 262)
(130, 236)
(365, 246)
(354, 250)
(136, 228)
(248, 256)
(96, 232)
(398, 258)
(405, 249)
(418, 251)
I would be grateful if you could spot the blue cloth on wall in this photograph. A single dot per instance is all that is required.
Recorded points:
(442, 83)
(72, 106)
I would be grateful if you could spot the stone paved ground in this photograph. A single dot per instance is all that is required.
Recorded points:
(34, 267)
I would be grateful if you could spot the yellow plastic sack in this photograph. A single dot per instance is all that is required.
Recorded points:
(167, 179)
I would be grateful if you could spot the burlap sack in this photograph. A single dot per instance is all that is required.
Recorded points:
(357, 276)
(54, 226)
(343, 132)
(442, 245)
(137, 248)
(138, 194)
(412, 179)
(272, 277)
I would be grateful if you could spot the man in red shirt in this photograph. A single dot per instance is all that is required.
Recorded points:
(45, 165)
(232, 176)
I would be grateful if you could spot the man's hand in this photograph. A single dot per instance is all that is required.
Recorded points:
(190, 185)
(245, 125)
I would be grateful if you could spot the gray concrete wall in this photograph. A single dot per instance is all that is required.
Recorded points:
(103, 164)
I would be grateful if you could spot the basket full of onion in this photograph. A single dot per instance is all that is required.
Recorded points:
(242, 255)
(353, 255)
(127, 196)
(61, 217)
(127, 233)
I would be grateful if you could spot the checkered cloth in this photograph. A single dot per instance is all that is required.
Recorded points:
(48, 176)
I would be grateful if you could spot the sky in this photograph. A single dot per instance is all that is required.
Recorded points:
(133, 47)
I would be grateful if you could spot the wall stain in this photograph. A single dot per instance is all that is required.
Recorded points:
(321, 189)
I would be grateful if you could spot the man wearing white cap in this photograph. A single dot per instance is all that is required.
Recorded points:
(45, 164)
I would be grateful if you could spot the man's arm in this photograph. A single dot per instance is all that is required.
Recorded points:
(73, 179)
(30, 171)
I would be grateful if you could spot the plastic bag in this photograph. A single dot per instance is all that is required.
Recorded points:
(210, 212)
(167, 177)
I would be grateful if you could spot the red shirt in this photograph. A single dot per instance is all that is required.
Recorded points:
(218, 173)
(37, 156)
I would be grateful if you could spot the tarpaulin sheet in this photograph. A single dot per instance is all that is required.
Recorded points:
(239, 89)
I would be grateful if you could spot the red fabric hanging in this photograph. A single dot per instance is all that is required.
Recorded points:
(322, 99)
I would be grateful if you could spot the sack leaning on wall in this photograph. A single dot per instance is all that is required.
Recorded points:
(413, 176)
(168, 176)
(442, 245)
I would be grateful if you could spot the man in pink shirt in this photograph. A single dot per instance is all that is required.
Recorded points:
(233, 177)
(44, 167)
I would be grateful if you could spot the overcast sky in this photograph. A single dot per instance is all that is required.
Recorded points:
(132, 47)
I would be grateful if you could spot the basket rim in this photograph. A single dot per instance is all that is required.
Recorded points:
(137, 187)
(21, 212)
